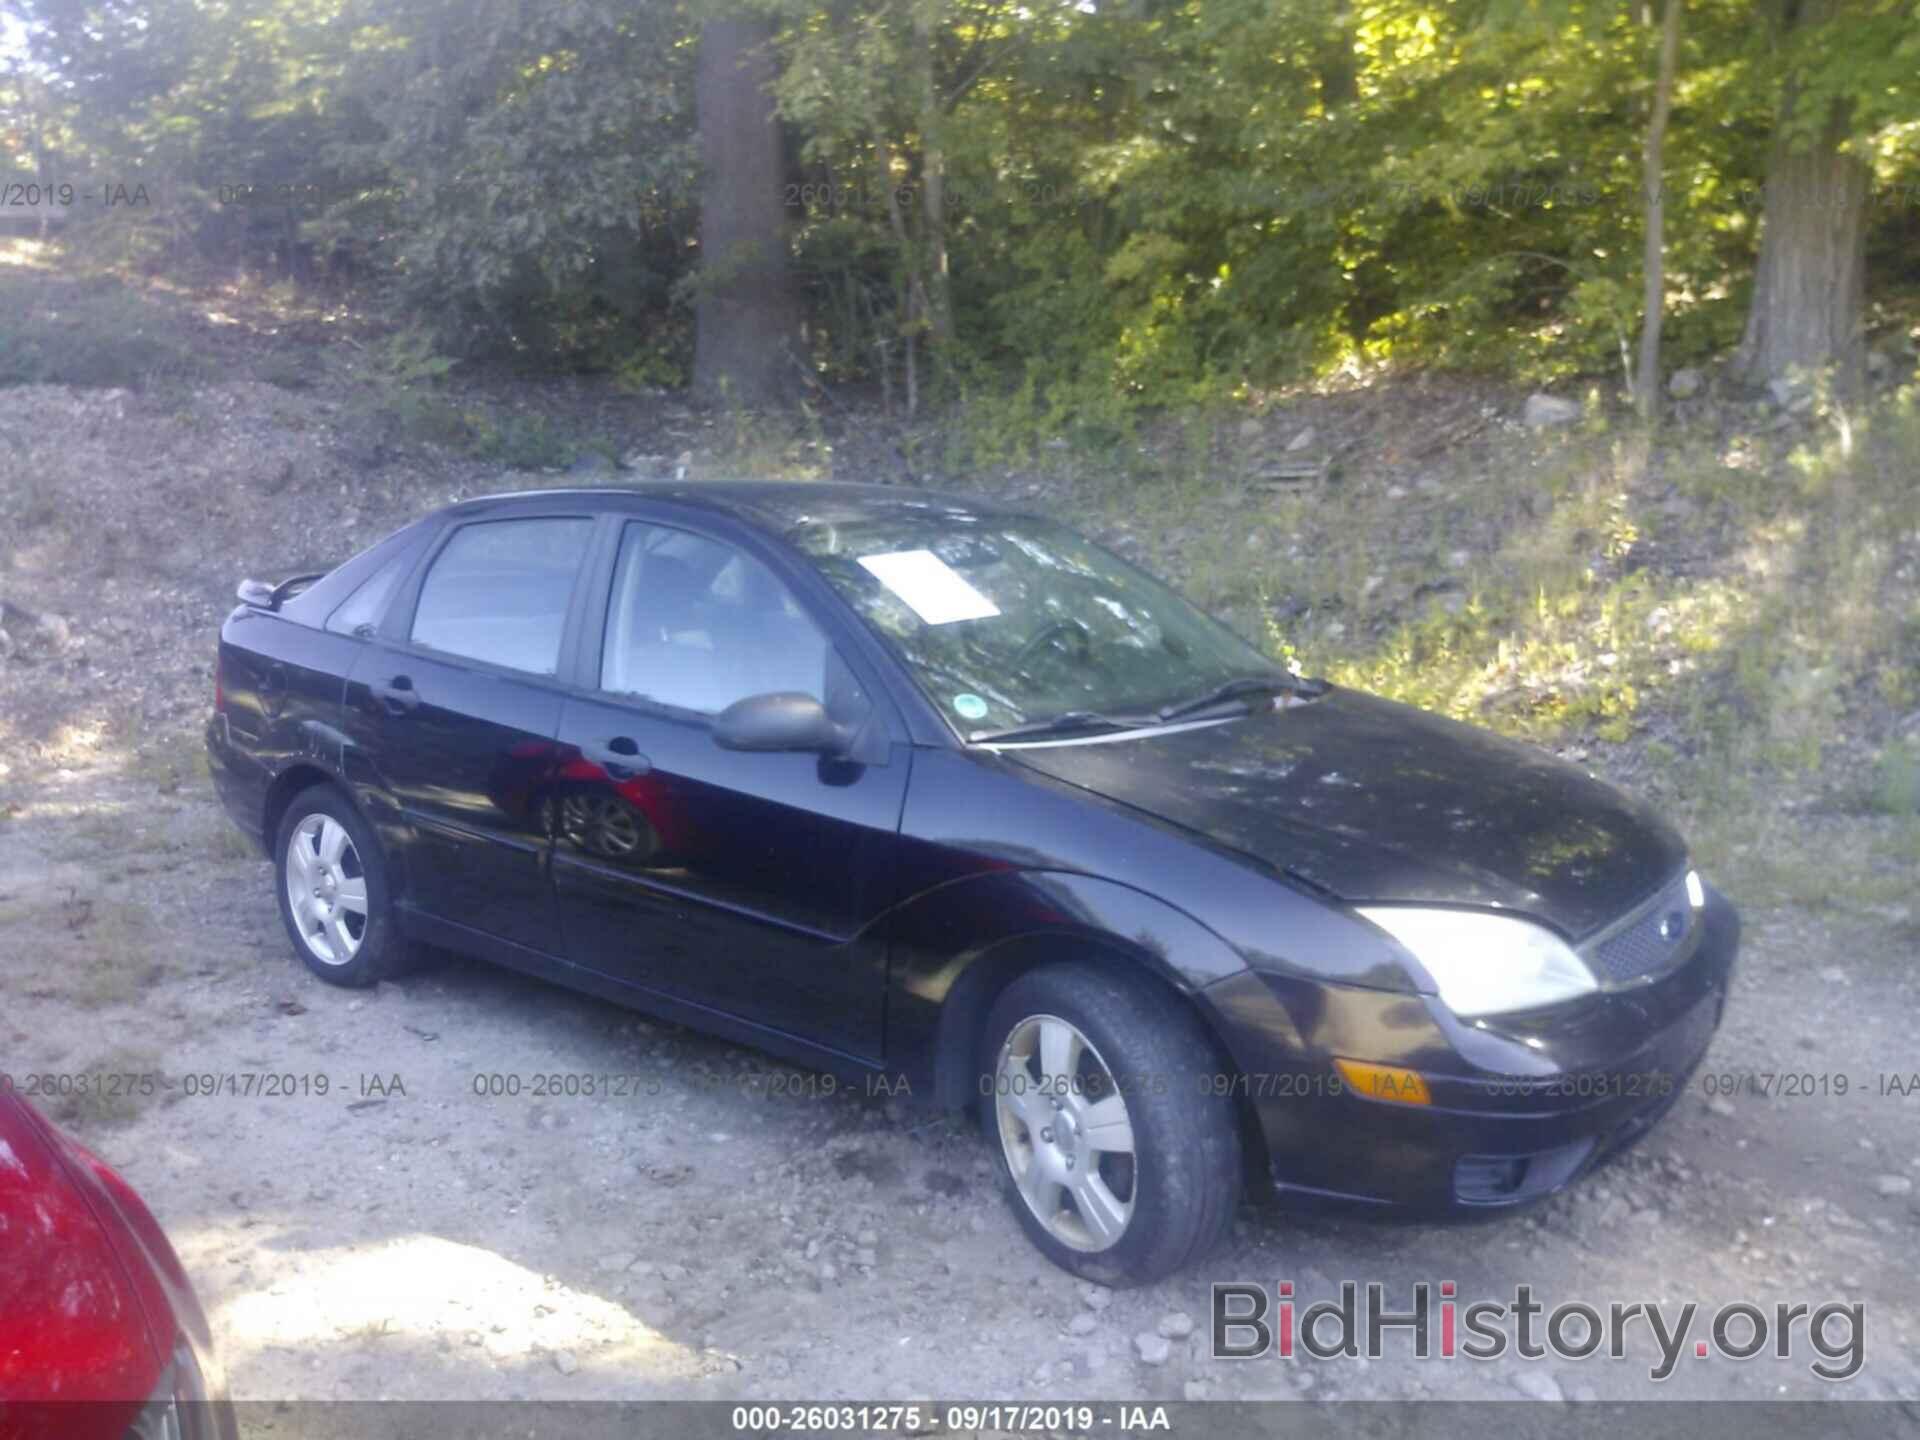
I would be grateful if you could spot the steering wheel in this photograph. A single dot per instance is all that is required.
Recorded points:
(1047, 634)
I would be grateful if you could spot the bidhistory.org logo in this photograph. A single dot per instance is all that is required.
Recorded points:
(1434, 1322)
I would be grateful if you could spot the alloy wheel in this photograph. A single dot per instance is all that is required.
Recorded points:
(326, 889)
(1066, 1133)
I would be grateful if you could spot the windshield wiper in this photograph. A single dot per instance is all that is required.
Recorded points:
(1066, 720)
(1243, 687)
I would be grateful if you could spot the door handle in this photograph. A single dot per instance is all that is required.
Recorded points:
(397, 694)
(619, 757)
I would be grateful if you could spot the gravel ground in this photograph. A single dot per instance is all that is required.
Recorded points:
(715, 1234)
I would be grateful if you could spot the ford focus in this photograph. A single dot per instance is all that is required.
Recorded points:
(890, 783)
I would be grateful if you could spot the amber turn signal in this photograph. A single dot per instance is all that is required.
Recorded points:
(1384, 1082)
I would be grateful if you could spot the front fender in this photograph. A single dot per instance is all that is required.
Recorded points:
(952, 948)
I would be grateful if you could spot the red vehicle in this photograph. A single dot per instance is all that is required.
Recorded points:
(100, 1333)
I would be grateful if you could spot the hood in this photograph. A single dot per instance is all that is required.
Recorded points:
(1374, 801)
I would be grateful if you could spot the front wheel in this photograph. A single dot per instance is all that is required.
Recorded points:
(332, 883)
(1120, 1159)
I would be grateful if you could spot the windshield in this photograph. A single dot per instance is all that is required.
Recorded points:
(1011, 621)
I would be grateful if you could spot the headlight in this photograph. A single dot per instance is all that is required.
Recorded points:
(1486, 964)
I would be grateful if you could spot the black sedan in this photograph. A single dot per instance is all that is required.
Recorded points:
(907, 787)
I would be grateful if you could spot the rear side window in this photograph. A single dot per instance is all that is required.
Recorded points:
(498, 591)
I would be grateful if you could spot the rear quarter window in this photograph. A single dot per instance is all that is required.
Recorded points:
(360, 612)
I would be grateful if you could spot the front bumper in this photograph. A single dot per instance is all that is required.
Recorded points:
(1519, 1108)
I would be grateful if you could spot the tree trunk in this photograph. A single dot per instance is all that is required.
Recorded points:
(1336, 69)
(1809, 288)
(1646, 380)
(933, 178)
(746, 314)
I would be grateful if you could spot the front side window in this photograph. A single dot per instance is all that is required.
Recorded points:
(1009, 621)
(696, 625)
(499, 590)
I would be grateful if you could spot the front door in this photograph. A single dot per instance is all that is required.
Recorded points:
(742, 882)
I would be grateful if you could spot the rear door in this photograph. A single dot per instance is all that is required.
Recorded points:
(455, 702)
(740, 882)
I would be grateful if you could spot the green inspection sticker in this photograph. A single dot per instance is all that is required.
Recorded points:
(970, 707)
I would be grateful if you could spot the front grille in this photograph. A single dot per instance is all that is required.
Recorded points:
(1655, 938)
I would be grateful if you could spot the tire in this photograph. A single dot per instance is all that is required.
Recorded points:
(337, 910)
(1120, 1217)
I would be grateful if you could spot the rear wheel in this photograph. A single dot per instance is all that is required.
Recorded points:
(1119, 1156)
(333, 889)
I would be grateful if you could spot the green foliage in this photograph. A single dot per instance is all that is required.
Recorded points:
(98, 334)
(1142, 205)
(1895, 787)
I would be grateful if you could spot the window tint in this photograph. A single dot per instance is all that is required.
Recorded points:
(498, 592)
(697, 625)
(361, 610)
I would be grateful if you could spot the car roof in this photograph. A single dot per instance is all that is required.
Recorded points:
(780, 506)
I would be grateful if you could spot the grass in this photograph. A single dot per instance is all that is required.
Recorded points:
(90, 950)
(1734, 624)
(109, 1090)
(94, 332)
(178, 759)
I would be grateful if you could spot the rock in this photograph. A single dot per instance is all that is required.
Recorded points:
(1891, 1185)
(1153, 1349)
(1303, 440)
(565, 1361)
(1175, 1325)
(1684, 384)
(867, 1237)
(1083, 1323)
(1544, 410)
(1095, 1297)
(1194, 1390)
(1720, 1106)
(1396, 492)
(828, 1271)
(620, 1260)
(1538, 1385)
(1582, 1394)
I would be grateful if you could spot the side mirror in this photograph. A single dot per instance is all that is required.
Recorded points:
(783, 721)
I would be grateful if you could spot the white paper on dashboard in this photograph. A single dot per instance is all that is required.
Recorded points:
(933, 589)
